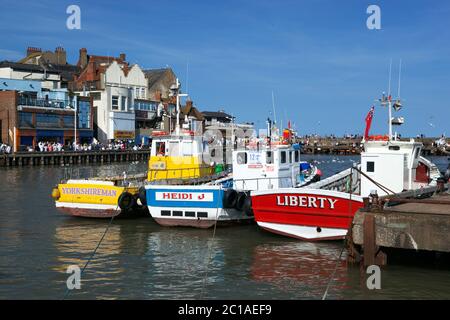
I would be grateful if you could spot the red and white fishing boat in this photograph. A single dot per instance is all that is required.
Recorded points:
(324, 210)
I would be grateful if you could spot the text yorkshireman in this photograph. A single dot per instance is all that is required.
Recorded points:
(90, 191)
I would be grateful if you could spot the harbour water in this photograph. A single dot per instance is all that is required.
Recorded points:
(140, 260)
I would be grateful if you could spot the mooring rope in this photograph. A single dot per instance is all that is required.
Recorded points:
(384, 188)
(93, 253)
(210, 251)
(334, 271)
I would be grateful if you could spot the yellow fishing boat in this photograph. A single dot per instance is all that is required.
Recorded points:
(177, 157)
(97, 198)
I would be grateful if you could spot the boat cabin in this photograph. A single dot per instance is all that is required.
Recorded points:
(392, 164)
(266, 168)
(177, 156)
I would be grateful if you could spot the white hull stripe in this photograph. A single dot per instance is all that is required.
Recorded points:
(93, 206)
(304, 232)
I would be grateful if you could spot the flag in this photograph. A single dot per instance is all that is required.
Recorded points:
(368, 122)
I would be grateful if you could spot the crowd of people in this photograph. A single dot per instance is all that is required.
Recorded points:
(5, 148)
(51, 146)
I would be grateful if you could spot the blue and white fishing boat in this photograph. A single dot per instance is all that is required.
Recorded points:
(227, 200)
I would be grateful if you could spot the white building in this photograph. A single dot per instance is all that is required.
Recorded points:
(50, 79)
(113, 100)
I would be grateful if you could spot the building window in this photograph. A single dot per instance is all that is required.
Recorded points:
(115, 102)
(370, 166)
(143, 93)
(47, 121)
(25, 120)
(136, 92)
(84, 114)
(123, 104)
(68, 121)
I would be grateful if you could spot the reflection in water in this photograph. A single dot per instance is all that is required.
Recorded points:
(301, 266)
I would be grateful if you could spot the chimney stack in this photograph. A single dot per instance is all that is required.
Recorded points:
(122, 56)
(61, 57)
(83, 59)
(31, 50)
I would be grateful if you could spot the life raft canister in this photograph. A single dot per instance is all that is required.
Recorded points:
(229, 198)
(126, 201)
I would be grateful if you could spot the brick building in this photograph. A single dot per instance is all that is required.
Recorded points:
(29, 114)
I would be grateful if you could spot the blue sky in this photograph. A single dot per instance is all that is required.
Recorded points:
(318, 57)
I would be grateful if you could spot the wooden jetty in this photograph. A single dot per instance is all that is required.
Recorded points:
(69, 157)
(350, 146)
(402, 222)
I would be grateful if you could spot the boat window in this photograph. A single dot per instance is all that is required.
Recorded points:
(174, 148)
(297, 156)
(283, 156)
(396, 148)
(188, 148)
(269, 157)
(160, 148)
(370, 166)
(416, 155)
(291, 156)
(242, 158)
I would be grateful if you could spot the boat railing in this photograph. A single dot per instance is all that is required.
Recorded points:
(247, 186)
(184, 176)
(344, 181)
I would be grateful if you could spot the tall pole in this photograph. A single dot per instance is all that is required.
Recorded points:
(178, 108)
(389, 102)
(273, 106)
(75, 125)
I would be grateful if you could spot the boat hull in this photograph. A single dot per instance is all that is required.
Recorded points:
(88, 210)
(306, 214)
(191, 206)
(90, 198)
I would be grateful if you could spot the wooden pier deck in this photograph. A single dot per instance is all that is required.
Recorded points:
(400, 223)
(68, 157)
(352, 146)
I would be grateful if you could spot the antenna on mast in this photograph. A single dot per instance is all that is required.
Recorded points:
(389, 102)
(187, 76)
(399, 79)
(273, 106)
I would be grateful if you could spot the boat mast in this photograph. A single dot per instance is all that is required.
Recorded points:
(175, 88)
(273, 106)
(389, 102)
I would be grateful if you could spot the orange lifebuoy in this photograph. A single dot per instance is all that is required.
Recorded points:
(159, 133)
(378, 138)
